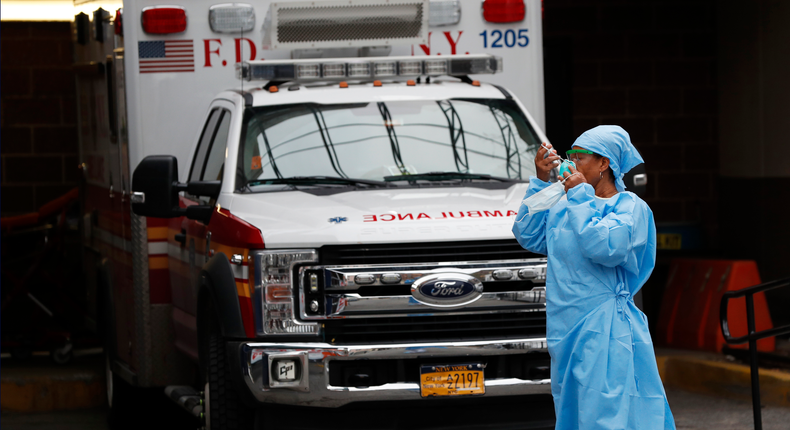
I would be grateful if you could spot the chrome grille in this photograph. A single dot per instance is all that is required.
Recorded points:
(364, 292)
(424, 252)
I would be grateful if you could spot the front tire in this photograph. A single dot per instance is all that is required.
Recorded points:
(224, 407)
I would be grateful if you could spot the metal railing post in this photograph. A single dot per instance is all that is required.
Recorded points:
(755, 370)
(753, 335)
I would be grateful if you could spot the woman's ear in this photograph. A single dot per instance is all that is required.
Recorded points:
(604, 164)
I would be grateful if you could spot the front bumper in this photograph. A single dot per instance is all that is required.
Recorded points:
(314, 389)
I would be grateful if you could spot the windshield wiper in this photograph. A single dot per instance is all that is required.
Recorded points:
(443, 176)
(316, 180)
(394, 145)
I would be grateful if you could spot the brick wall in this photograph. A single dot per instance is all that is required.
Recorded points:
(38, 124)
(649, 66)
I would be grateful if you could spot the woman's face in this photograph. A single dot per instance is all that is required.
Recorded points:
(589, 165)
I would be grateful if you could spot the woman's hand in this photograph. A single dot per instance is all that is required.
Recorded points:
(575, 178)
(543, 166)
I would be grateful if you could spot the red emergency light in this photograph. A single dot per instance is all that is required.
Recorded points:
(164, 19)
(504, 10)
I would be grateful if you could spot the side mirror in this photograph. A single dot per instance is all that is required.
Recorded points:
(154, 187)
(636, 180)
(155, 190)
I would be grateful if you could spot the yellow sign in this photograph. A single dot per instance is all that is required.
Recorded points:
(669, 241)
(452, 380)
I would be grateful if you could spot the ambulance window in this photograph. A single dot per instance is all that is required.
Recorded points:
(216, 156)
(205, 138)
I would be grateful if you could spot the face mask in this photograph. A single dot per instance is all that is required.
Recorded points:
(546, 198)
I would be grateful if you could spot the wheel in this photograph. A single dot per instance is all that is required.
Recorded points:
(223, 406)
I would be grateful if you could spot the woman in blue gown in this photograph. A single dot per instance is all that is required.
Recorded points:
(601, 246)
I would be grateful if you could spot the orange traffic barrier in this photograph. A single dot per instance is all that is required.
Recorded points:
(689, 316)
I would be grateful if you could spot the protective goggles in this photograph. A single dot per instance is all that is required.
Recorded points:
(568, 154)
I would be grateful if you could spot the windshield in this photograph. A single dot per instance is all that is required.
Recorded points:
(382, 141)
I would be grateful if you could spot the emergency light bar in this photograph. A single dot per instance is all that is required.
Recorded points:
(355, 68)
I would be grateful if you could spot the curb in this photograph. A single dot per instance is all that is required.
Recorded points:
(723, 379)
(36, 388)
(50, 394)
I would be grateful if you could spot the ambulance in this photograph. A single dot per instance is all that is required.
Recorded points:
(309, 203)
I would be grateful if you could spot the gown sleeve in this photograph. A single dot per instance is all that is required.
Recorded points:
(609, 240)
(530, 230)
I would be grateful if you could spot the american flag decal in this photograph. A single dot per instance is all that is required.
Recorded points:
(166, 56)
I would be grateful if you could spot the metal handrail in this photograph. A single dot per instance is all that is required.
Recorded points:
(752, 336)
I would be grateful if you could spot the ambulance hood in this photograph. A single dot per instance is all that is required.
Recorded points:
(296, 219)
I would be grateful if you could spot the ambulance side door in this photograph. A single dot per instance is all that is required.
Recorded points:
(207, 165)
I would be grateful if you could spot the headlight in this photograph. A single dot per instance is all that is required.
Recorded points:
(275, 290)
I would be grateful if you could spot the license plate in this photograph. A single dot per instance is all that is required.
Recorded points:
(452, 380)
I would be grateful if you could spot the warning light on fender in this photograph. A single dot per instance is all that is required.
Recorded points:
(164, 19)
(504, 10)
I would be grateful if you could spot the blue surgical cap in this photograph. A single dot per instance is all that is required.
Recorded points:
(614, 143)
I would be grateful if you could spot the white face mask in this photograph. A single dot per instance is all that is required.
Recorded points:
(546, 198)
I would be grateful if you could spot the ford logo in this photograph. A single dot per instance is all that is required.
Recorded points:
(447, 289)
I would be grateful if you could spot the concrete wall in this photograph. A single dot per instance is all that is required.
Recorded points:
(754, 187)
(38, 122)
(754, 60)
(649, 66)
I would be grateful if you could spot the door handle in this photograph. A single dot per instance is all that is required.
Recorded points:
(182, 237)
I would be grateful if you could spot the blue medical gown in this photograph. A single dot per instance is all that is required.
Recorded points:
(600, 253)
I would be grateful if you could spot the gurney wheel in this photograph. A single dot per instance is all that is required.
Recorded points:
(62, 355)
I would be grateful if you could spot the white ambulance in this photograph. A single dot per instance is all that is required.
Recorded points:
(309, 203)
